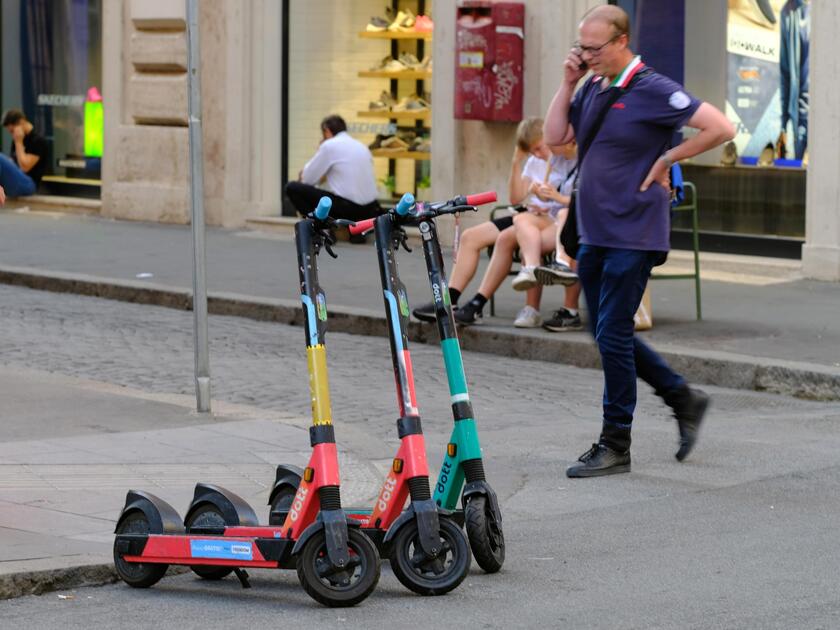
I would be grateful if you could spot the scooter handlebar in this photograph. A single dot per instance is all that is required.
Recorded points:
(405, 204)
(323, 209)
(360, 227)
(479, 199)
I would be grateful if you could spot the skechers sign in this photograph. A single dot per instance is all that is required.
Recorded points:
(221, 549)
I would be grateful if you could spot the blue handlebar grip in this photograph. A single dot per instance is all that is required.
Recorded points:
(405, 204)
(323, 208)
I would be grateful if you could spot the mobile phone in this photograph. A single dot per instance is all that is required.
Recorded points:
(582, 65)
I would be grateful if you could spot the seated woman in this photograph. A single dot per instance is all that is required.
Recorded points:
(500, 233)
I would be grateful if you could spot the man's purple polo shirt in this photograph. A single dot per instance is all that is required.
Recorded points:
(611, 211)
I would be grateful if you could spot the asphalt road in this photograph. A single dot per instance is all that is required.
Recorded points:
(742, 535)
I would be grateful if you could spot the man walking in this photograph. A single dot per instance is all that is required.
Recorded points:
(624, 118)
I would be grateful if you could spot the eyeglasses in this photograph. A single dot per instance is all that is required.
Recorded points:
(595, 50)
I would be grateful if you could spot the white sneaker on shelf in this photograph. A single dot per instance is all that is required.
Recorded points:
(528, 317)
(525, 279)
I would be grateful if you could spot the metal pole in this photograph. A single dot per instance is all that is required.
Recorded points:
(202, 352)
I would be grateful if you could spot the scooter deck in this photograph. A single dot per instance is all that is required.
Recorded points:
(248, 547)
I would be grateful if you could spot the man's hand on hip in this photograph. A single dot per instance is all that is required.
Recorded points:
(660, 173)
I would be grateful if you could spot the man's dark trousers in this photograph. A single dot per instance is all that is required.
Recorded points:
(613, 282)
(305, 198)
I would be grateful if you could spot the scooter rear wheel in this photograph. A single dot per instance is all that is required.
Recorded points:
(485, 534)
(210, 517)
(136, 574)
(282, 502)
(339, 588)
(430, 576)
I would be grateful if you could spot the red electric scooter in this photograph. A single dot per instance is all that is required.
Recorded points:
(336, 563)
(428, 550)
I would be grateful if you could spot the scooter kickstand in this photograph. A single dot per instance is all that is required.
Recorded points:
(242, 574)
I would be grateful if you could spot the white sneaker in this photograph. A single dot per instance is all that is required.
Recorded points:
(528, 317)
(525, 279)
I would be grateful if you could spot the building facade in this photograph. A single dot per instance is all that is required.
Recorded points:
(272, 69)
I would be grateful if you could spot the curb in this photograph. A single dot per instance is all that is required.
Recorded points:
(725, 369)
(47, 580)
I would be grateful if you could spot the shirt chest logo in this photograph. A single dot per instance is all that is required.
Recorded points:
(618, 106)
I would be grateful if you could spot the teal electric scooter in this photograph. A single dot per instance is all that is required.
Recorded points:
(462, 472)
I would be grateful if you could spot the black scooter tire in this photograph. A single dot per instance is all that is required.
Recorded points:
(426, 580)
(137, 574)
(312, 560)
(487, 540)
(208, 516)
(283, 501)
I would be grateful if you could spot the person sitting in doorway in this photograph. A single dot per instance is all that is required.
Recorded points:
(21, 173)
(347, 166)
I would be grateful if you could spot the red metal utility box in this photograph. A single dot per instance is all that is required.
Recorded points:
(489, 57)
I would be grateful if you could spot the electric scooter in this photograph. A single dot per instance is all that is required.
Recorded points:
(463, 461)
(428, 551)
(336, 563)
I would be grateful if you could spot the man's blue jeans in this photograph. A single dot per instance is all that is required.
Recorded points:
(613, 281)
(14, 181)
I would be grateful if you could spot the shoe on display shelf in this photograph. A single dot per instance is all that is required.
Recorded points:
(377, 25)
(404, 22)
(423, 24)
(409, 61)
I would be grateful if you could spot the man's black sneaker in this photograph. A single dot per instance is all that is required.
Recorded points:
(467, 315)
(600, 460)
(562, 321)
(555, 272)
(425, 313)
(689, 407)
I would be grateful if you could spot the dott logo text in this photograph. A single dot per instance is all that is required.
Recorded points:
(387, 493)
(297, 504)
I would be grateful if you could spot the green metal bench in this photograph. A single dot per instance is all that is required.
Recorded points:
(689, 205)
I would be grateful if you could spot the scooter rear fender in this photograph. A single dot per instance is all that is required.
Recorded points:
(233, 508)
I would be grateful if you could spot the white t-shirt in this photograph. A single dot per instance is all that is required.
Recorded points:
(559, 170)
(348, 166)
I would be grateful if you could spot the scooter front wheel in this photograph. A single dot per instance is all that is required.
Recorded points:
(136, 574)
(208, 516)
(485, 534)
(343, 587)
(430, 576)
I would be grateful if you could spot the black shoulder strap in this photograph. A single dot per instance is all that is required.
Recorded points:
(615, 94)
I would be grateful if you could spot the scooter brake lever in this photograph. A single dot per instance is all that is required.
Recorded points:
(404, 242)
(344, 222)
(329, 239)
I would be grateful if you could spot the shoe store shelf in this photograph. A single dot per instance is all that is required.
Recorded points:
(402, 155)
(389, 115)
(395, 35)
(400, 74)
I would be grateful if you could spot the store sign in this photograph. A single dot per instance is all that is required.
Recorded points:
(388, 129)
(767, 50)
(61, 100)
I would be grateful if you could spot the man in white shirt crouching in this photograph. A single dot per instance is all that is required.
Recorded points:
(347, 166)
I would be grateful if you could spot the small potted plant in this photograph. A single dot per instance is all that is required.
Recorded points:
(424, 189)
(387, 187)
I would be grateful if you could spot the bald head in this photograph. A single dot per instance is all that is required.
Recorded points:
(609, 14)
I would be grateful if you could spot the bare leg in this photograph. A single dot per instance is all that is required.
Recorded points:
(528, 233)
(473, 241)
(547, 244)
(500, 262)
